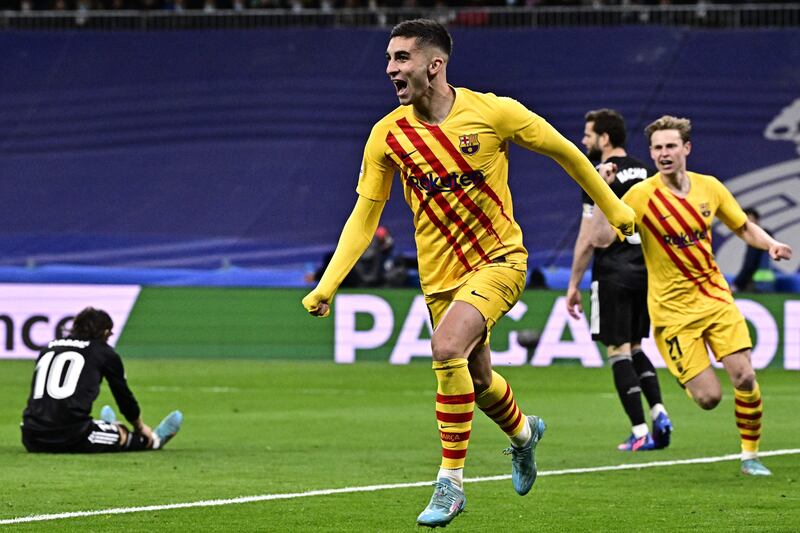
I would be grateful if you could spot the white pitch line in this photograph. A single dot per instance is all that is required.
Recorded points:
(372, 488)
(639, 466)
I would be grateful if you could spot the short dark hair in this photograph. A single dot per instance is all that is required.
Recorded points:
(91, 324)
(427, 32)
(610, 122)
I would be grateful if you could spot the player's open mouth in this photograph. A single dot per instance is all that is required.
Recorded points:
(400, 86)
(665, 162)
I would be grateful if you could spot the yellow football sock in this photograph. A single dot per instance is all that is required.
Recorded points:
(498, 403)
(455, 403)
(748, 418)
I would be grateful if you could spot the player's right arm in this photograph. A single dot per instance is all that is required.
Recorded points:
(585, 245)
(374, 185)
(356, 236)
(140, 427)
(581, 257)
(601, 232)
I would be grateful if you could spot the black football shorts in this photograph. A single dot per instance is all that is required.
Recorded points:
(619, 314)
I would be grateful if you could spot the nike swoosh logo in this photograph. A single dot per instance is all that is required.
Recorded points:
(448, 427)
(474, 293)
(409, 154)
(663, 217)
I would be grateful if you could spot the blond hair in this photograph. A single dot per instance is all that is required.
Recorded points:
(668, 122)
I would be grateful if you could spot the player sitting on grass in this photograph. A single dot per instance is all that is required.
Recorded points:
(66, 382)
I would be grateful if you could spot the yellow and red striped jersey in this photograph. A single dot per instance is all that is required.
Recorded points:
(684, 281)
(455, 180)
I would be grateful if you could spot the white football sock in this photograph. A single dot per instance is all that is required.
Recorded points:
(640, 430)
(521, 439)
(656, 410)
(456, 475)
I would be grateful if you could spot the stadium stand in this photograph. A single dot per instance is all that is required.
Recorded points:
(239, 14)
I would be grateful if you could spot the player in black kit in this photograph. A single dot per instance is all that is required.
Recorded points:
(619, 289)
(66, 382)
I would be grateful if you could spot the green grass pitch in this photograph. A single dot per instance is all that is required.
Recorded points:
(257, 428)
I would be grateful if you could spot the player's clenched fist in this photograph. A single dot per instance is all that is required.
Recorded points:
(780, 251)
(317, 304)
(608, 171)
(624, 219)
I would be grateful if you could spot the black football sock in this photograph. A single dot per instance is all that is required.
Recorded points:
(648, 379)
(627, 384)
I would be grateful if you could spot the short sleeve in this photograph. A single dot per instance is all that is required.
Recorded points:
(377, 170)
(729, 210)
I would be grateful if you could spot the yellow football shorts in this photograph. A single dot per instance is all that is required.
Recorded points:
(492, 289)
(683, 346)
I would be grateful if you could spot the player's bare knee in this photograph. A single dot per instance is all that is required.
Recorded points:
(614, 359)
(620, 350)
(443, 350)
(481, 382)
(708, 401)
(744, 380)
(447, 347)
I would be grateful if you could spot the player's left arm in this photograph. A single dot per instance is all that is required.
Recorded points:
(755, 236)
(517, 123)
(572, 160)
(731, 214)
(114, 373)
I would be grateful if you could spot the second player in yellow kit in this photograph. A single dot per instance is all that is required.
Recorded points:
(688, 294)
(684, 279)
(690, 304)
(450, 149)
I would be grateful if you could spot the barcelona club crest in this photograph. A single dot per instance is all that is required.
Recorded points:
(704, 210)
(469, 144)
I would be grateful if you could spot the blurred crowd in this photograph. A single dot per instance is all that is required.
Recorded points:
(210, 6)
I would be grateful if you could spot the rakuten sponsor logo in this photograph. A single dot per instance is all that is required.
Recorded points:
(33, 315)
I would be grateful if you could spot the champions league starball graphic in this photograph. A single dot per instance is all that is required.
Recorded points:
(774, 191)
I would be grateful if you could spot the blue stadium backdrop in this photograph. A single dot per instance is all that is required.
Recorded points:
(203, 148)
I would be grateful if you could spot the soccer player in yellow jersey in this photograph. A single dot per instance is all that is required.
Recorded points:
(450, 147)
(691, 305)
